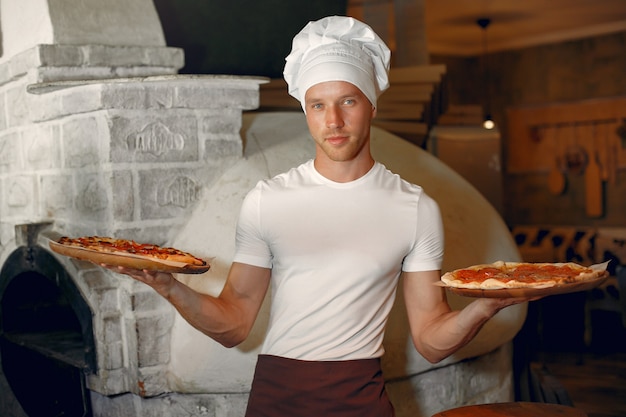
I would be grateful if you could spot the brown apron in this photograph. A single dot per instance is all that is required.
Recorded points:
(295, 388)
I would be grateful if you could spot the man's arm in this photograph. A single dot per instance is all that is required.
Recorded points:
(226, 318)
(438, 331)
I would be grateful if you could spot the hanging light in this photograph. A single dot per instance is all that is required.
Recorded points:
(488, 122)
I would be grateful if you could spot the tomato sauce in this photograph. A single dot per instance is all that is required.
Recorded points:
(522, 273)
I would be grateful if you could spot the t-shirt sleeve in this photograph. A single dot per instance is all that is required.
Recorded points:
(427, 254)
(250, 246)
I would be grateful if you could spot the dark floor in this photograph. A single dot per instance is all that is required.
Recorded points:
(595, 382)
(581, 354)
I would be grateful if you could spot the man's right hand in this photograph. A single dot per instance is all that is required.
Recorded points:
(161, 281)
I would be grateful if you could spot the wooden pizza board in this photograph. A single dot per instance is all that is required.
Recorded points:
(127, 260)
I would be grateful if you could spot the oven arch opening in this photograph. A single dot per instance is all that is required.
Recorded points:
(46, 335)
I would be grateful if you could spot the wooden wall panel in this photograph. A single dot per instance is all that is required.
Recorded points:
(541, 136)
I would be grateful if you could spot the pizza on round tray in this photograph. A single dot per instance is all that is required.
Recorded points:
(130, 254)
(523, 278)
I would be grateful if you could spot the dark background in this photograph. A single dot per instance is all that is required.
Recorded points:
(238, 37)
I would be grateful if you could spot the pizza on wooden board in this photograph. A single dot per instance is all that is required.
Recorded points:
(506, 275)
(128, 253)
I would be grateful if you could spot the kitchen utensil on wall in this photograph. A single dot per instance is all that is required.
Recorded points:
(612, 149)
(599, 135)
(593, 184)
(556, 177)
(576, 157)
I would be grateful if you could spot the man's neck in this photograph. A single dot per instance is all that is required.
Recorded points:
(343, 171)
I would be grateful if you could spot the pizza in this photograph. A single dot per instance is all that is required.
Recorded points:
(499, 275)
(123, 247)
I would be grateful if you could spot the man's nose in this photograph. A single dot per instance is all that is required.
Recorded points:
(334, 118)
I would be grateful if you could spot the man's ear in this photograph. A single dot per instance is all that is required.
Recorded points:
(374, 111)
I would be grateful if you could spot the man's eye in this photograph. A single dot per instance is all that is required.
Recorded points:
(348, 101)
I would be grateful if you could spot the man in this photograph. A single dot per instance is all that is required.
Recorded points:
(331, 238)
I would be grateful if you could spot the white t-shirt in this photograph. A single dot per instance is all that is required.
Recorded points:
(336, 251)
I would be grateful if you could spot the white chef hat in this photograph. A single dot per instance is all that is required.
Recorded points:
(338, 48)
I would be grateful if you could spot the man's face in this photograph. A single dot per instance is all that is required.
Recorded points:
(339, 115)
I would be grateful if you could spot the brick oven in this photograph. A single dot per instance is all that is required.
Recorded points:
(46, 327)
(124, 157)
(100, 135)
(127, 158)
